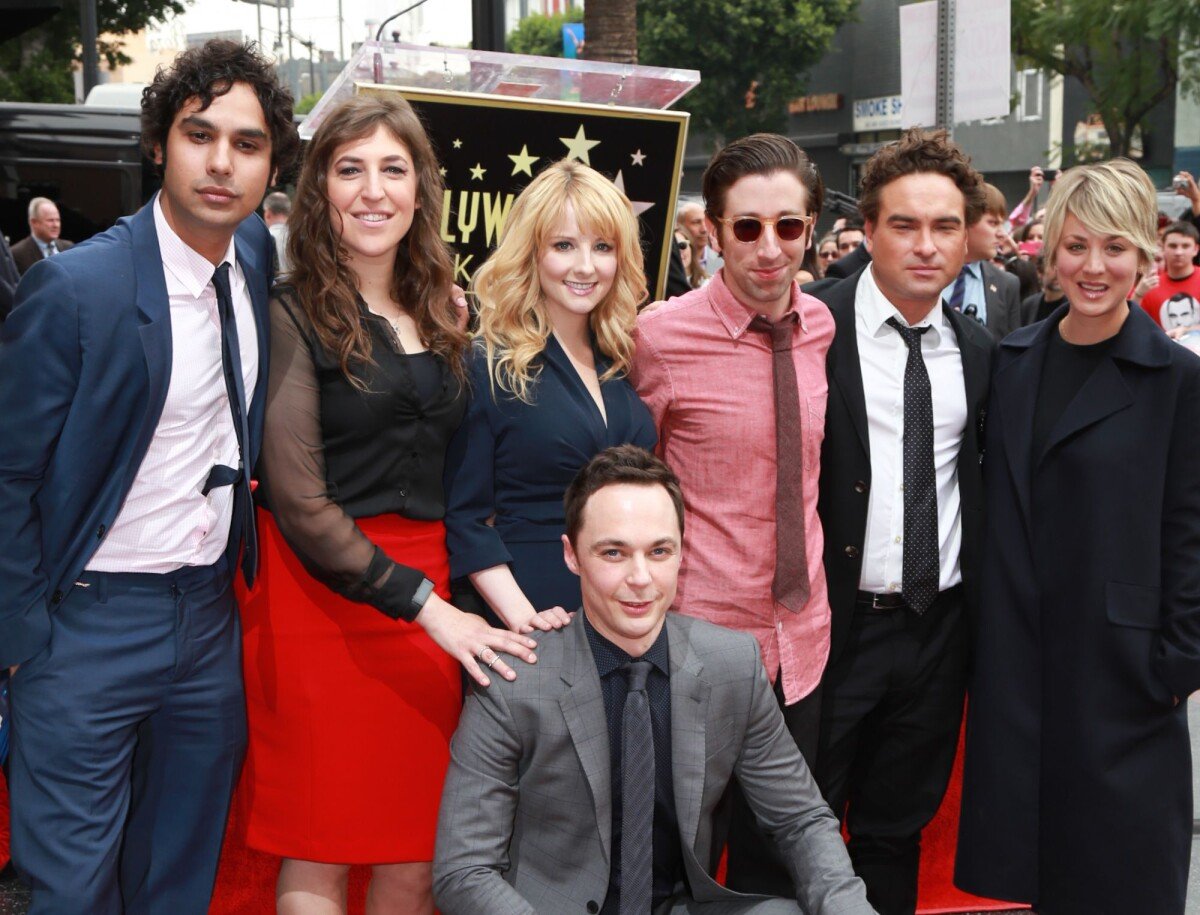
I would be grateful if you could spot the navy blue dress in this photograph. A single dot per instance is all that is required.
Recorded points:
(514, 461)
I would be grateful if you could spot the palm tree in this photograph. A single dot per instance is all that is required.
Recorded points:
(610, 31)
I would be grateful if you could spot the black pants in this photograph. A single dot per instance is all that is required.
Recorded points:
(754, 866)
(891, 711)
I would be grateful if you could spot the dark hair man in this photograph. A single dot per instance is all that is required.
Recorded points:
(849, 237)
(277, 207)
(135, 366)
(591, 784)
(734, 375)
(45, 229)
(982, 290)
(900, 500)
(1178, 276)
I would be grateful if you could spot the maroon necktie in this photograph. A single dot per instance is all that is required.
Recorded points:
(790, 585)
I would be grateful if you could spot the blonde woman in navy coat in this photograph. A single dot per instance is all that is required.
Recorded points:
(557, 303)
(1077, 792)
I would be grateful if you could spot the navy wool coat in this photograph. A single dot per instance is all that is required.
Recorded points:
(1077, 788)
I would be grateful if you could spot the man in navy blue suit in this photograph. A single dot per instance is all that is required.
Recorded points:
(132, 380)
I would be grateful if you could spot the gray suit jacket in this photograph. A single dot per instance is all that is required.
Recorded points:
(526, 817)
(1002, 291)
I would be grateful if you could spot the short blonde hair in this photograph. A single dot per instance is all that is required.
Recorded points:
(1110, 198)
(513, 324)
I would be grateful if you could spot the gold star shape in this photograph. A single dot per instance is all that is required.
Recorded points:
(639, 206)
(442, 172)
(522, 161)
(457, 144)
(578, 146)
(477, 172)
(638, 157)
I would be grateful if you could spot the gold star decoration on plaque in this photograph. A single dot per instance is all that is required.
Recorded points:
(578, 146)
(477, 172)
(523, 162)
(457, 143)
(639, 206)
(442, 172)
(638, 157)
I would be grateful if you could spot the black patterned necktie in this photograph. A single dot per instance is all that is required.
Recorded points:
(231, 367)
(921, 555)
(637, 794)
(51, 249)
(959, 292)
(789, 584)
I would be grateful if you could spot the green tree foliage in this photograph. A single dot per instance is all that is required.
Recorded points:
(753, 52)
(1126, 53)
(36, 66)
(541, 35)
(308, 102)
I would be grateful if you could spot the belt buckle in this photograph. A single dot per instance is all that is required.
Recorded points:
(875, 602)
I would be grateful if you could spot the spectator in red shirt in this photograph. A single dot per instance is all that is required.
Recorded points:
(1175, 302)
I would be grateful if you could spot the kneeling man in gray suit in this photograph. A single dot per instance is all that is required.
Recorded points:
(590, 783)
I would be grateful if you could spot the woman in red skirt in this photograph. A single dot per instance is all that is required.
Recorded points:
(351, 651)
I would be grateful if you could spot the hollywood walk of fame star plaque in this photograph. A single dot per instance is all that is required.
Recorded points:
(496, 120)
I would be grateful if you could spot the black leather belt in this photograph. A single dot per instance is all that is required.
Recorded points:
(891, 601)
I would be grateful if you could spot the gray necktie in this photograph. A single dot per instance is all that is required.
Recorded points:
(921, 557)
(637, 794)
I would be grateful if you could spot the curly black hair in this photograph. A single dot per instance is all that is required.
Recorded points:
(210, 71)
(920, 151)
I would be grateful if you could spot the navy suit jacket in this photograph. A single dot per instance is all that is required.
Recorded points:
(85, 362)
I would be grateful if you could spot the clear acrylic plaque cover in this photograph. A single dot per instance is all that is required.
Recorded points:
(492, 73)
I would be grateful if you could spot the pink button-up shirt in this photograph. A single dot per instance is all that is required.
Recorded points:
(166, 521)
(709, 383)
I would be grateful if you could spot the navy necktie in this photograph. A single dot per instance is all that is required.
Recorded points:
(231, 366)
(921, 555)
(637, 794)
(960, 290)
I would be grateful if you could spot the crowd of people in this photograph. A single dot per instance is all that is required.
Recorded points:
(717, 572)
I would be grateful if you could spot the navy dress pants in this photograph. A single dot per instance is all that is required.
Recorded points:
(129, 729)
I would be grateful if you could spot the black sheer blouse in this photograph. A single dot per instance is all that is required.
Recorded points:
(333, 452)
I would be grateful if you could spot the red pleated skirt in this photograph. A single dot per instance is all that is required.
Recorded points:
(350, 712)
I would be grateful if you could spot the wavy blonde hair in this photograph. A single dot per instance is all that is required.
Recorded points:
(513, 324)
(1110, 198)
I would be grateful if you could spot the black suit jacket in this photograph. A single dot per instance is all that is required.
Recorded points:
(1002, 293)
(27, 252)
(846, 462)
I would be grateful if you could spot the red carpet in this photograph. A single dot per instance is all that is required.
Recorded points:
(246, 881)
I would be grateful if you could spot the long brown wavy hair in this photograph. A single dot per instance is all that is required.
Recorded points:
(326, 287)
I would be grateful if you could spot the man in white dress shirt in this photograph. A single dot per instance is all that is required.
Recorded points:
(900, 502)
(134, 368)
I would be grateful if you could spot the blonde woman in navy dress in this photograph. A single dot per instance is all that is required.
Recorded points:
(557, 304)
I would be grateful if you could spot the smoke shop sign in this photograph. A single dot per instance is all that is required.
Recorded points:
(882, 113)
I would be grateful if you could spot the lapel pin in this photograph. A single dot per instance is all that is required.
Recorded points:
(992, 287)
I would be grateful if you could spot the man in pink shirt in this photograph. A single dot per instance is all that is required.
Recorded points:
(734, 374)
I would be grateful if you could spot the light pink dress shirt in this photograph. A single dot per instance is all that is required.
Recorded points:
(708, 382)
(165, 522)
